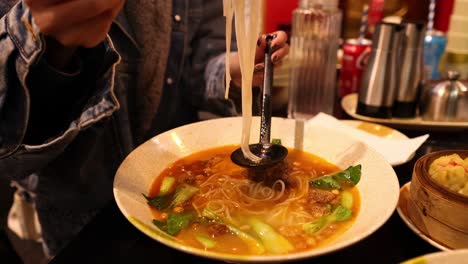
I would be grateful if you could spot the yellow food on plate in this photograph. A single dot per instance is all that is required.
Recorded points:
(451, 171)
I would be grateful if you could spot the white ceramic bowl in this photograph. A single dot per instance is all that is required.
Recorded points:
(378, 188)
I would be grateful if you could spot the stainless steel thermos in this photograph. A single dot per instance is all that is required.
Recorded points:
(411, 71)
(380, 78)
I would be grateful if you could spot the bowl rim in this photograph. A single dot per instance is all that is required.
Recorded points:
(421, 170)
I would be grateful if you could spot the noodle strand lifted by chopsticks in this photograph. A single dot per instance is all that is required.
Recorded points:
(247, 23)
(228, 13)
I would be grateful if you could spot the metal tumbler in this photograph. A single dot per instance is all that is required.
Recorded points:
(380, 78)
(412, 71)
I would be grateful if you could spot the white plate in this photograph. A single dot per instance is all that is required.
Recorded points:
(402, 210)
(381, 131)
(376, 129)
(144, 164)
(349, 105)
(453, 257)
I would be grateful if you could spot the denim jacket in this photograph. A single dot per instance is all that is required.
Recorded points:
(63, 135)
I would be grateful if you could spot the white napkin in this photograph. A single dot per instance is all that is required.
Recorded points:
(395, 151)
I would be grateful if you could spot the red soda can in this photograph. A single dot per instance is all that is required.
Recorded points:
(355, 55)
(376, 12)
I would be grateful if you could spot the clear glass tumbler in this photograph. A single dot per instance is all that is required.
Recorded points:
(316, 28)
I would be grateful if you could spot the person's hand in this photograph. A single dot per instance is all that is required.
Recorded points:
(69, 24)
(280, 49)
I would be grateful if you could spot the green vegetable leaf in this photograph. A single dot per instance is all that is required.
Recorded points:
(350, 177)
(177, 222)
(159, 202)
(212, 215)
(206, 241)
(340, 213)
(166, 185)
(347, 199)
(273, 241)
(174, 223)
(160, 225)
(276, 141)
(315, 226)
(183, 193)
(326, 183)
(255, 247)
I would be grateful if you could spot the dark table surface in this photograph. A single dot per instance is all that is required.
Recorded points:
(110, 238)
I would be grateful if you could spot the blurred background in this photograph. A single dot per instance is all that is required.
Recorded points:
(278, 16)
(280, 13)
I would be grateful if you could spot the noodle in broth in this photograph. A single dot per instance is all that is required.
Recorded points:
(225, 190)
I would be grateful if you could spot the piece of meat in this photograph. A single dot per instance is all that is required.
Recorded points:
(187, 177)
(317, 209)
(268, 176)
(320, 196)
(216, 230)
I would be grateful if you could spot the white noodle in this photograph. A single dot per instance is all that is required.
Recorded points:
(228, 13)
(247, 24)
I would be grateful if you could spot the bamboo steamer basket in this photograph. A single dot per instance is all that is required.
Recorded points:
(437, 211)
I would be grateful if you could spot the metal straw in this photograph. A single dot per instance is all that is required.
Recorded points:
(362, 29)
(265, 123)
(430, 19)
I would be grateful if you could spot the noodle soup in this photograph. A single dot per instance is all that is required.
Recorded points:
(206, 201)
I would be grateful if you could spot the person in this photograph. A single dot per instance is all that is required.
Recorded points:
(83, 82)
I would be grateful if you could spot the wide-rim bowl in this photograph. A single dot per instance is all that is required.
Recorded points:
(378, 188)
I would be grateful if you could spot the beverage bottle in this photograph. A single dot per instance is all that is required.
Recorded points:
(316, 28)
(434, 47)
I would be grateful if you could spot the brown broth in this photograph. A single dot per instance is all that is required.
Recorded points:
(193, 170)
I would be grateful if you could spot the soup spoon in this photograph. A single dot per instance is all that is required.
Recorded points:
(270, 154)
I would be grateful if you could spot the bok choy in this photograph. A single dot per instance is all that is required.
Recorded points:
(182, 194)
(174, 223)
(255, 247)
(273, 241)
(339, 214)
(335, 181)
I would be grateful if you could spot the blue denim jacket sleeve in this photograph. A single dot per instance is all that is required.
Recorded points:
(22, 47)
